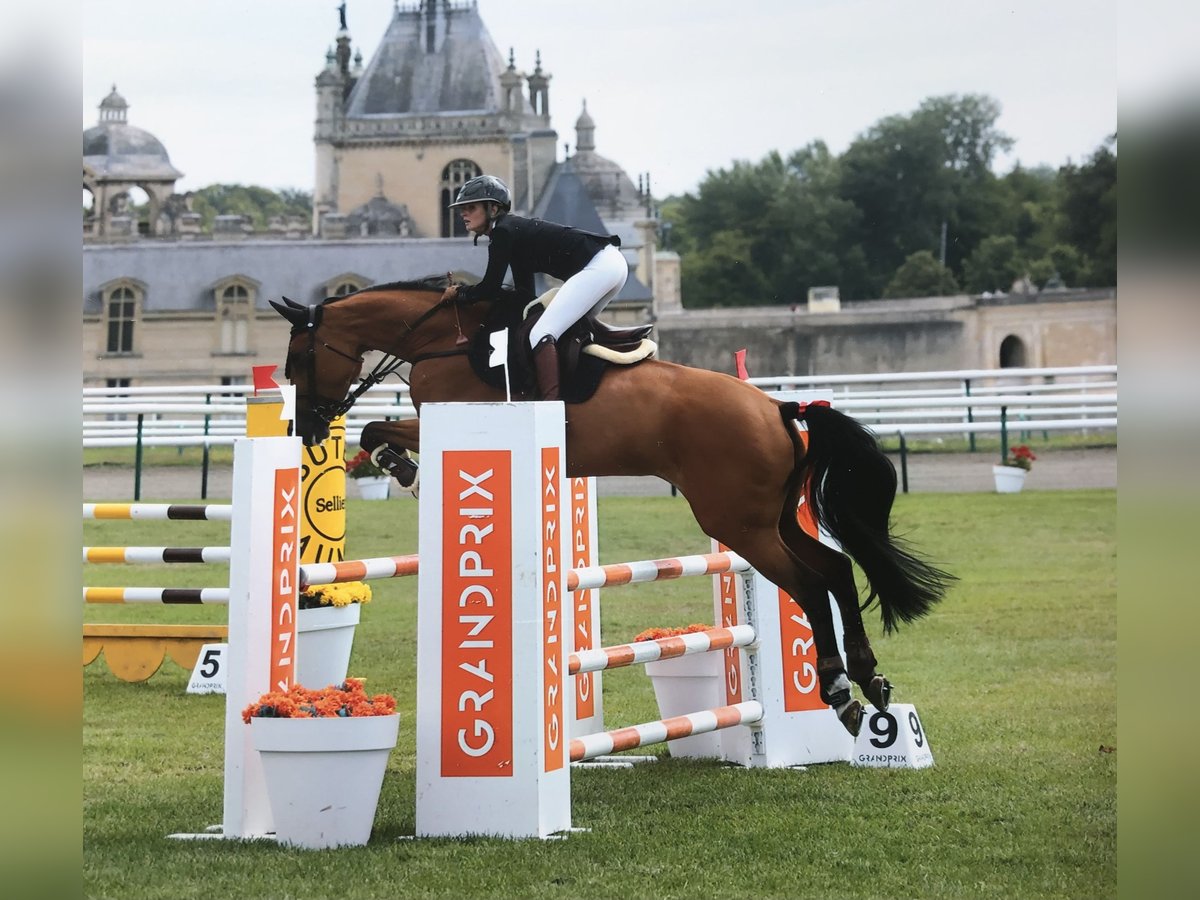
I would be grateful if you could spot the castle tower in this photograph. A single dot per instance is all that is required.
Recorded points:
(117, 157)
(435, 105)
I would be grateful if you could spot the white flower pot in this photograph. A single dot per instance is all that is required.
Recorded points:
(373, 488)
(324, 639)
(324, 776)
(1009, 479)
(688, 684)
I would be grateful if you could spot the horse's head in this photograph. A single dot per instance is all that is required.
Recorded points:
(321, 365)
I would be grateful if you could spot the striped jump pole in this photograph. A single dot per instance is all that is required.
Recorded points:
(648, 570)
(152, 555)
(587, 578)
(316, 574)
(606, 742)
(663, 648)
(222, 512)
(167, 596)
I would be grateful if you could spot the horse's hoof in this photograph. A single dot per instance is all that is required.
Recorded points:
(851, 716)
(879, 692)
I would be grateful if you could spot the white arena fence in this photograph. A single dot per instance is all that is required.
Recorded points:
(961, 403)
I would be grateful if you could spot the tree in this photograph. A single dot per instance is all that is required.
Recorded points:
(258, 203)
(1070, 265)
(1031, 212)
(994, 265)
(1089, 211)
(723, 275)
(907, 175)
(779, 225)
(871, 221)
(921, 276)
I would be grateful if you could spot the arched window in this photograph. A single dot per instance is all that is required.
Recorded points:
(455, 176)
(120, 310)
(234, 299)
(346, 283)
(1012, 353)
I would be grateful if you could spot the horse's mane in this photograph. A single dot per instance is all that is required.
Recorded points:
(432, 283)
(437, 283)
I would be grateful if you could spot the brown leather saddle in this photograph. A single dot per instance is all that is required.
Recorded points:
(585, 351)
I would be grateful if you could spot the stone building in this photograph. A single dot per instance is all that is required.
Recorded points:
(168, 302)
(117, 159)
(1046, 329)
(436, 105)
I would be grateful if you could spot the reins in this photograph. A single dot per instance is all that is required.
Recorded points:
(388, 365)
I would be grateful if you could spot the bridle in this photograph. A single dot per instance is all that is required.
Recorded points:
(328, 410)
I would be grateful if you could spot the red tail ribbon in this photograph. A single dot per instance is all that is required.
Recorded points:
(739, 358)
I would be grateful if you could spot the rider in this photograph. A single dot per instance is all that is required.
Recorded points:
(592, 269)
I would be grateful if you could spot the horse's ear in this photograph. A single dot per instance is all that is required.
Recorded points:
(292, 303)
(297, 315)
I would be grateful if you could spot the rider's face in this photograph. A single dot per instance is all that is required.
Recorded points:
(474, 217)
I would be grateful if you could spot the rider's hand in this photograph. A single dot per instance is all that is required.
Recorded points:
(451, 292)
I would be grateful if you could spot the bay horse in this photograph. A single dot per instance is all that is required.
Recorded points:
(732, 451)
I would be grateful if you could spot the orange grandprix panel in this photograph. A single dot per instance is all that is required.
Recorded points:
(477, 669)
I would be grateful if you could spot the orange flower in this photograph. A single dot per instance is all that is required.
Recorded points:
(655, 634)
(345, 700)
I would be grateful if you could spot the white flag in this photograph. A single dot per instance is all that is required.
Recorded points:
(499, 354)
(288, 392)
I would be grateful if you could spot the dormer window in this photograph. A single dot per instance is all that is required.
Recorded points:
(455, 176)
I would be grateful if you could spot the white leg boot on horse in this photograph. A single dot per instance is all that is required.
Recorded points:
(397, 464)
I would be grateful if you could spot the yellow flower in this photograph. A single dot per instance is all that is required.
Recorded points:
(336, 594)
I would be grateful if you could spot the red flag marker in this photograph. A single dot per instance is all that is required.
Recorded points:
(264, 378)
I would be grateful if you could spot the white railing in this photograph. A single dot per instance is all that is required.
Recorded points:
(964, 403)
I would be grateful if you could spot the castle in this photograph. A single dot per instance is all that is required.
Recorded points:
(168, 301)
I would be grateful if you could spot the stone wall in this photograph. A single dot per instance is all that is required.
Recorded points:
(943, 333)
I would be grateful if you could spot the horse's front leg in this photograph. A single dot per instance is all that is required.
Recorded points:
(389, 444)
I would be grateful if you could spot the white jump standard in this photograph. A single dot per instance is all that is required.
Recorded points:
(493, 756)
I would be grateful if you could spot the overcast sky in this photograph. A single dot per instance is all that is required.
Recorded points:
(676, 87)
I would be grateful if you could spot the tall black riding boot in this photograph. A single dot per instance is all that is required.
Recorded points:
(545, 365)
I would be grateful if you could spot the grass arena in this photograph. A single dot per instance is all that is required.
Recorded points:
(1013, 674)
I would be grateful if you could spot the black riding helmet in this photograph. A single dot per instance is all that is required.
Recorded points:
(484, 189)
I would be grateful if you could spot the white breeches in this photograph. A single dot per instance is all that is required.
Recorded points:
(589, 291)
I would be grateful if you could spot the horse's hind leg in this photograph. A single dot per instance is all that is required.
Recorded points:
(767, 552)
(837, 572)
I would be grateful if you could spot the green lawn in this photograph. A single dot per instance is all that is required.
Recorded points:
(1014, 677)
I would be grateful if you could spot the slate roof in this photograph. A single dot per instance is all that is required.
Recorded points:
(113, 148)
(179, 276)
(462, 74)
(566, 201)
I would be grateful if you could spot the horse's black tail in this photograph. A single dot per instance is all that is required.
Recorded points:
(852, 485)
